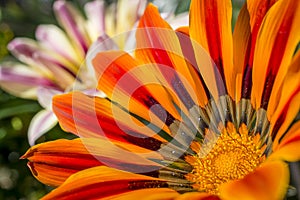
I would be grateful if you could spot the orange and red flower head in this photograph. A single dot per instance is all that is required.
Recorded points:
(195, 113)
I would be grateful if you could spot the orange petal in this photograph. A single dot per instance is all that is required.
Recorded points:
(53, 162)
(286, 118)
(289, 152)
(188, 53)
(147, 194)
(157, 34)
(50, 175)
(210, 27)
(287, 93)
(122, 155)
(100, 182)
(288, 148)
(158, 43)
(269, 181)
(197, 196)
(133, 86)
(276, 43)
(184, 29)
(292, 135)
(241, 45)
(244, 42)
(97, 117)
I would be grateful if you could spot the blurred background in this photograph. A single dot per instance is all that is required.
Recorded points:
(19, 18)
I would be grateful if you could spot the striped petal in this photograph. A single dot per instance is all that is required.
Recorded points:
(292, 135)
(132, 86)
(58, 157)
(244, 41)
(22, 81)
(42, 122)
(119, 77)
(287, 101)
(45, 95)
(158, 43)
(73, 24)
(101, 182)
(95, 117)
(95, 11)
(103, 43)
(37, 56)
(125, 17)
(210, 27)
(269, 181)
(276, 43)
(288, 148)
(53, 162)
(52, 37)
(241, 44)
(46, 62)
(24, 50)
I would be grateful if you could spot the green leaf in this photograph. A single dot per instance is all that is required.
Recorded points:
(183, 6)
(16, 109)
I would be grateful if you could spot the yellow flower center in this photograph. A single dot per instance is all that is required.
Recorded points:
(230, 156)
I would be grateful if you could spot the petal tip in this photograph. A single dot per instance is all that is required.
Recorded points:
(59, 4)
(13, 44)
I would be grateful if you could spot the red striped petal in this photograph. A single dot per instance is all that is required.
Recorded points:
(210, 27)
(244, 41)
(53, 162)
(158, 43)
(276, 43)
(100, 182)
(286, 104)
(97, 117)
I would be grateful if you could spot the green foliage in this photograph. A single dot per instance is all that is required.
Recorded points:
(16, 180)
(5, 36)
(183, 6)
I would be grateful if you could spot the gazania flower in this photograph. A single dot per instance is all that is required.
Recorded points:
(54, 63)
(178, 125)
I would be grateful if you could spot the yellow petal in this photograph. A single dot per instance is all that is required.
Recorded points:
(147, 194)
(269, 181)
(289, 152)
(197, 196)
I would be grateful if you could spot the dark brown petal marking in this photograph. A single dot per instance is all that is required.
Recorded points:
(134, 185)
